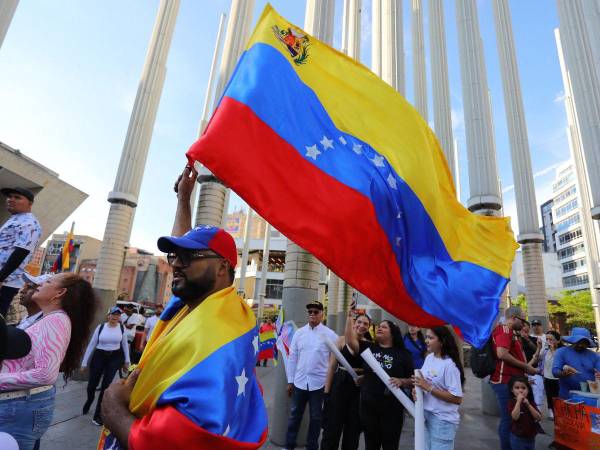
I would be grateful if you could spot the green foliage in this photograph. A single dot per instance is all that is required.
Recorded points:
(520, 301)
(577, 305)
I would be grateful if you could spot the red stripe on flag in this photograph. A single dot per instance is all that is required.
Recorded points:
(167, 428)
(319, 213)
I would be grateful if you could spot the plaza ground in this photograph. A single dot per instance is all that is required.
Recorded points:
(73, 431)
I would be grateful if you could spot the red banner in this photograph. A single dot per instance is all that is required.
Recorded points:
(576, 426)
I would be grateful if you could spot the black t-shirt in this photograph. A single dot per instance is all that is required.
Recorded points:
(529, 346)
(396, 362)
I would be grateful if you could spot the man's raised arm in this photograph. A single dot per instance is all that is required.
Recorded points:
(184, 187)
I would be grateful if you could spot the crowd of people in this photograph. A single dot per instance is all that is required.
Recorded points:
(531, 364)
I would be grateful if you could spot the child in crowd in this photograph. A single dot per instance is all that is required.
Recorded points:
(525, 414)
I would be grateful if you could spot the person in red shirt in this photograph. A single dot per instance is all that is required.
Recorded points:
(510, 362)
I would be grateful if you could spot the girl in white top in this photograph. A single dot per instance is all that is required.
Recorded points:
(442, 382)
(108, 350)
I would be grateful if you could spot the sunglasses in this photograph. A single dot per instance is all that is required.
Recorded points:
(313, 312)
(186, 257)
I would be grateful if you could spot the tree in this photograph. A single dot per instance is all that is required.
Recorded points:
(520, 301)
(577, 305)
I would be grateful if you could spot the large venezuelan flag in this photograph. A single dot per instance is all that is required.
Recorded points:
(344, 166)
(197, 388)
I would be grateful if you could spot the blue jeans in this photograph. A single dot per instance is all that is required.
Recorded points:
(299, 399)
(503, 396)
(519, 443)
(27, 418)
(439, 434)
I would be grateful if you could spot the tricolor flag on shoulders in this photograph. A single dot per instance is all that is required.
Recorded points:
(344, 166)
(197, 388)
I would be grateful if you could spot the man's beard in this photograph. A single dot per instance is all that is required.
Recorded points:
(192, 290)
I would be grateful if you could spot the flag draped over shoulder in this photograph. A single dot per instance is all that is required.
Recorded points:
(197, 388)
(344, 166)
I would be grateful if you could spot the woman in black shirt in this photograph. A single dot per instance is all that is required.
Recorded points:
(381, 413)
(341, 411)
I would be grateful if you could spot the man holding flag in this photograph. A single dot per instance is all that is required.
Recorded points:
(62, 263)
(195, 386)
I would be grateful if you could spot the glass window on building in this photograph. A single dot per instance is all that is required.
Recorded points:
(570, 251)
(573, 265)
(274, 289)
(570, 236)
(575, 280)
(569, 221)
(566, 208)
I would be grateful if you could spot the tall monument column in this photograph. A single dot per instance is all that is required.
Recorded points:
(483, 173)
(213, 197)
(124, 196)
(590, 242)
(442, 112)
(529, 237)
(387, 54)
(7, 11)
(586, 90)
(418, 49)
(301, 276)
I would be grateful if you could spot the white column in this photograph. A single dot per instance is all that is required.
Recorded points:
(418, 49)
(351, 28)
(591, 12)
(483, 172)
(332, 300)
(261, 288)
(592, 258)
(387, 45)
(529, 237)
(7, 11)
(442, 111)
(214, 196)
(124, 196)
(245, 251)
(586, 90)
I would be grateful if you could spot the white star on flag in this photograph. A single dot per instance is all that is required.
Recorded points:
(227, 430)
(342, 140)
(398, 241)
(357, 148)
(392, 181)
(241, 381)
(378, 161)
(312, 152)
(399, 216)
(255, 343)
(326, 143)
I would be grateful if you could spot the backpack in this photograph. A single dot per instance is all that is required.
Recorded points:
(483, 360)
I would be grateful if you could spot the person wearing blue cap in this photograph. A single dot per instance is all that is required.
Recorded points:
(576, 363)
(106, 353)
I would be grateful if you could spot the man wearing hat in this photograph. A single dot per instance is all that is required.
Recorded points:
(510, 361)
(19, 237)
(195, 385)
(576, 363)
(33, 310)
(306, 373)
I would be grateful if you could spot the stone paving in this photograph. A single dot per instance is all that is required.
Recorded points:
(70, 430)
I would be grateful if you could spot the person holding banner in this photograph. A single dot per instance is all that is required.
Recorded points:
(341, 415)
(381, 414)
(442, 381)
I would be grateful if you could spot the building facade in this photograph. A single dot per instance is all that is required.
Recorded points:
(561, 225)
(85, 247)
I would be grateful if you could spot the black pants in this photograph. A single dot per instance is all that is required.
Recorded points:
(342, 414)
(6, 296)
(381, 418)
(300, 398)
(552, 388)
(104, 365)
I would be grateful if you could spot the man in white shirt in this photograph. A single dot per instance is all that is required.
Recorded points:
(151, 321)
(306, 372)
(33, 310)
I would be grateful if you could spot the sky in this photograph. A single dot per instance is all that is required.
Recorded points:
(69, 73)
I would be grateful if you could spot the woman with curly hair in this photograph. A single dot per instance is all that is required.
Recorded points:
(57, 342)
(442, 381)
